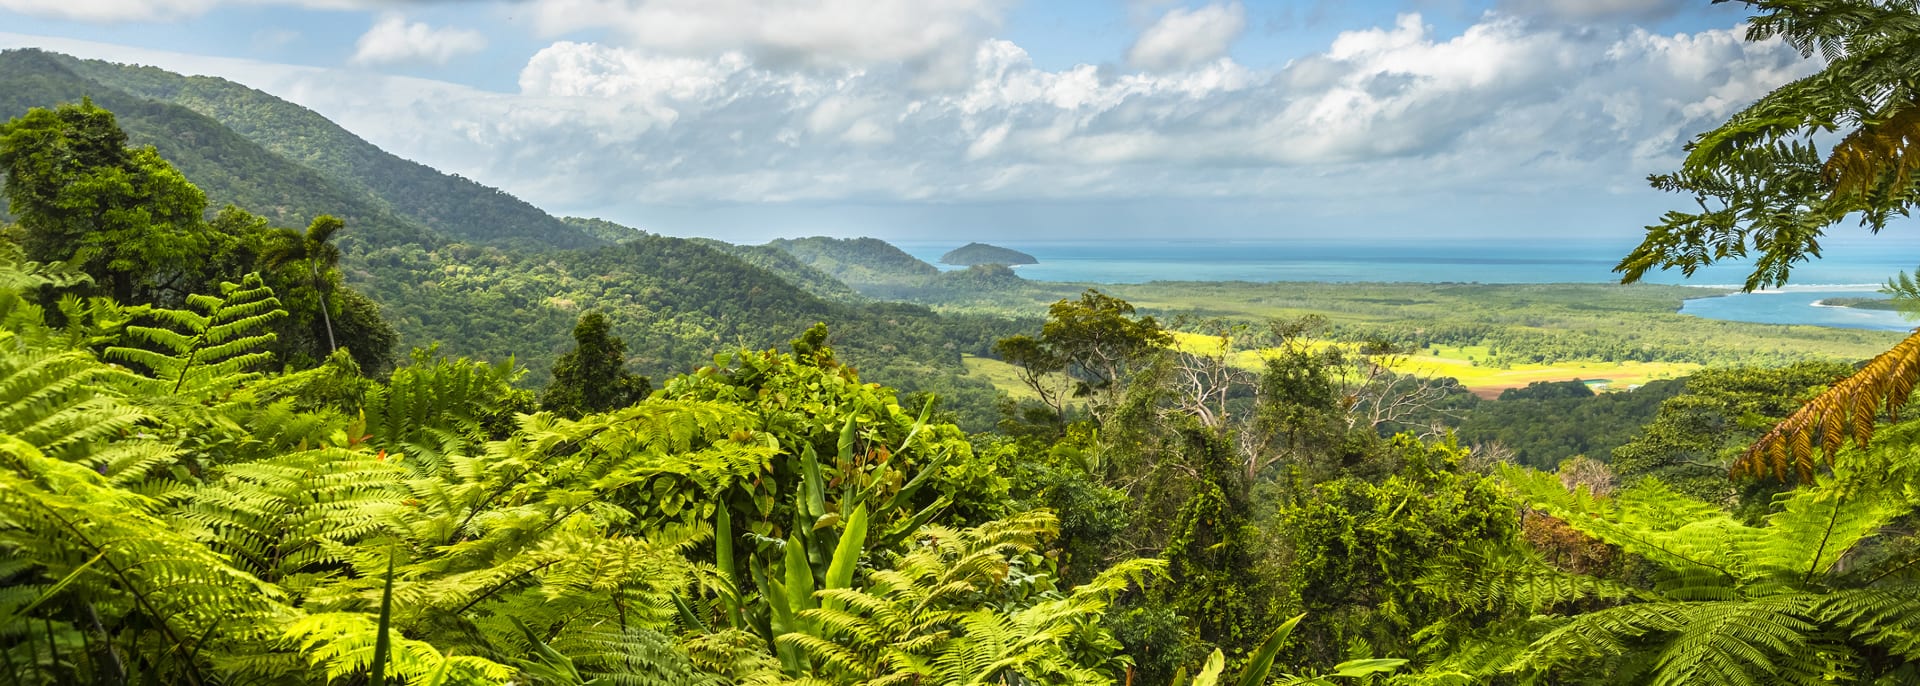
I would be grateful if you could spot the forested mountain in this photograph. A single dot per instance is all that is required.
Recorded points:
(857, 261)
(228, 166)
(789, 267)
(604, 230)
(980, 253)
(478, 272)
(456, 207)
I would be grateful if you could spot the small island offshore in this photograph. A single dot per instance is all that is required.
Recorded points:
(973, 254)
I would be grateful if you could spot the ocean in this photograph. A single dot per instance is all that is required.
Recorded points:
(1849, 267)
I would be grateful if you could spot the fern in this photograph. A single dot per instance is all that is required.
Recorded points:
(343, 644)
(906, 625)
(59, 515)
(1737, 604)
(210, 348)
(1846, 411)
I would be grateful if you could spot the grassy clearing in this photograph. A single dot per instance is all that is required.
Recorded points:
(1003, 376)
(1489, 337)
(1464, 363)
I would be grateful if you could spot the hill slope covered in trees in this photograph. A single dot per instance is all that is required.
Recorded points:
(478, 272)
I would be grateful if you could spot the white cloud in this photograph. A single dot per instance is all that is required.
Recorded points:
(1186, 37)
(934, 38)
(1506, 111)
(394, 40)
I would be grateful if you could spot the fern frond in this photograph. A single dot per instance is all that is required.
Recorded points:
(1846, 411)
(343, 645)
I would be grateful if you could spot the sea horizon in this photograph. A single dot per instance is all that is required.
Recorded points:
(1848, 268)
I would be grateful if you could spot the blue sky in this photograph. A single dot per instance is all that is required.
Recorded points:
(748, 119)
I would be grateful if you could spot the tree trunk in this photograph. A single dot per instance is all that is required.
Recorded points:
(325, 307)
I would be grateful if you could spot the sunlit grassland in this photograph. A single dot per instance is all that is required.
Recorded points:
(1003, 376)
(1467, 364)
(1541, 326)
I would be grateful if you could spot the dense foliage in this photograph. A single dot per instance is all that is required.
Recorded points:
(212, 471)
(1546, 422)
(453, 263)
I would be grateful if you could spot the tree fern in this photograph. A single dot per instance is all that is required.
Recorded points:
(59, 515)
(909, 625)
(1738, 603)
(214, 346)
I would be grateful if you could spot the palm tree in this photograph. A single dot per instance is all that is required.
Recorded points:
(315, 247)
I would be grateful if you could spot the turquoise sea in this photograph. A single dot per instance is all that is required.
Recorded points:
(1848, 268)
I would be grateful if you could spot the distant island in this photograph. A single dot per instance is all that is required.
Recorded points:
(980, 253)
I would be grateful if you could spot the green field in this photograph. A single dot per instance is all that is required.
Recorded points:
(1505, 328)
(1467, 365)
(1002, 375)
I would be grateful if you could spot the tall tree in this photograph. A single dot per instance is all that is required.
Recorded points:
(1096, 342)
(316, 249)
(121, 214)
(593, 377)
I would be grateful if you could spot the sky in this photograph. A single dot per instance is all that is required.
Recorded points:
(984, 119)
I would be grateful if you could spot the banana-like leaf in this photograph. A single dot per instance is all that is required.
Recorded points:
(1355, 669)
(780, 619)
(1261, 662)
(812, 483)
(383, 643)
(723, 558)
(689, 616)
(1210, 674)
(907, 529)
(918, 424)
(51, 591)
(798, 577)
(927, 471)
(846, 556)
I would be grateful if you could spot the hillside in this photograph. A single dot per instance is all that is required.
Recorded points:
(227, 166)
(457, 207)
(856, 261)
(973, 254)
(790, 268)
(477, 272)
(611, 233)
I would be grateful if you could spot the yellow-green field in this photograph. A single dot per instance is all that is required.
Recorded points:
(1577, 325)
(1461, 363)
(1003, 376)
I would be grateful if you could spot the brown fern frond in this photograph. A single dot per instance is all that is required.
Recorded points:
(1879, 154)
(1845, 411)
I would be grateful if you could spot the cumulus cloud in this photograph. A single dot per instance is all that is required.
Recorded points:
(1186, 37)
(394, 40)
(1507, 107)
(934, 38)
(1504, 104)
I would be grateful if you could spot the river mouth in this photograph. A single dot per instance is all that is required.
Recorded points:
(1799, 305)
